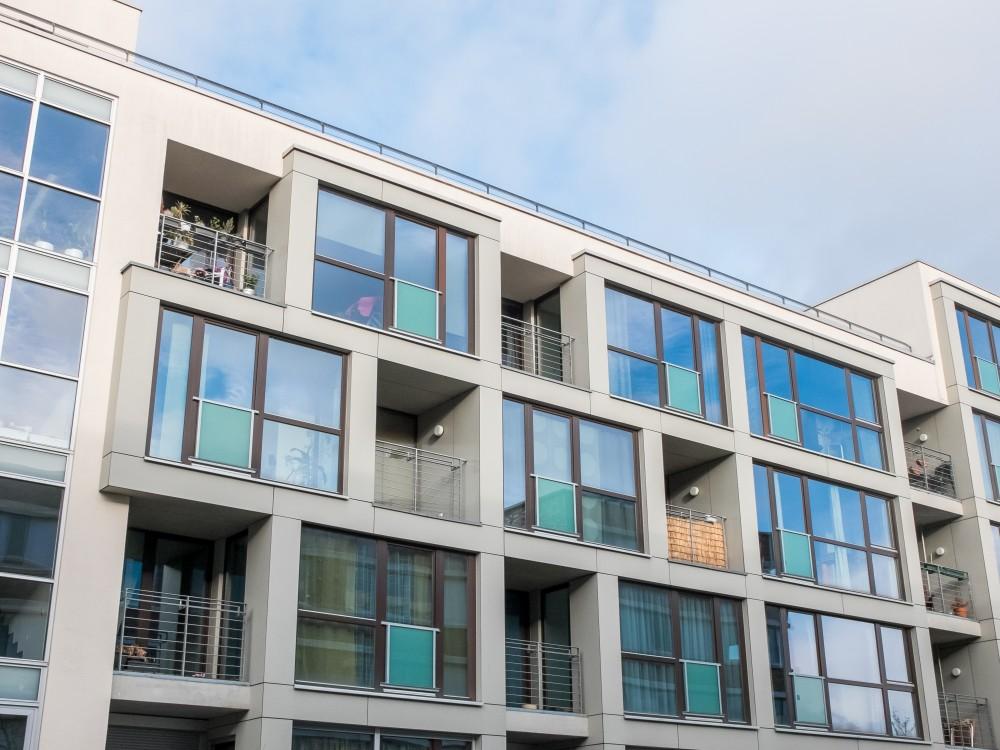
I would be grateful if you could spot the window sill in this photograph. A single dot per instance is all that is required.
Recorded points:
(390, 694)
(811, 452)
(849, 736)
(673, 412)
(574, 540)
(385, 506)
(691, 722)
(834, 589)
(397, 335)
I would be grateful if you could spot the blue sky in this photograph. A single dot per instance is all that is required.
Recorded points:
(805, 146)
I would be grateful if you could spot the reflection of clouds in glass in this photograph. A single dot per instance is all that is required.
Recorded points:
(303, 384)
(298, 456)
(857, 709)
(14, 114)
(36, 408)
(44, 328)
(69, 150)
(63, 219)
(227, 366)
(10, 194)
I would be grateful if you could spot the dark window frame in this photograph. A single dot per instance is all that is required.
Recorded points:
(966, 341)
(436, 739)
(386, 276)
(195, 352)
(660, 362)
(379, 629)
(981, 419)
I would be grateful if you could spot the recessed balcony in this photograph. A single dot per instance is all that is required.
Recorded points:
(696, 537)
(419, 481)
(929, 470)
(966, 722)
(543, 676)
(947, 590)
(536, 350)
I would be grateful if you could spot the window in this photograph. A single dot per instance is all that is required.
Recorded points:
(568, 475)
(995, 534)
(980, 340)
(988, 437)
(306, 737)
(841, 674)
(382, 616)
(682, 654)
(663, 357)
(208, 406)
(817, 530)
(382, 269)
(822, 406)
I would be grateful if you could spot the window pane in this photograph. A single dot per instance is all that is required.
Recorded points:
(51, 268)
(513, 464)
(415, 253)
(802, 645)
(822, 385)
(863, 391)
(456, 315)
(455, 633)
(796, 554)
(552, 446)
(732, 659)
(69, 150)
(18, 79)
(857, 709)
(410, 657)
(609, 520)
(649, 687)
(57, 220)
(170, 401)
(72, 97)
(634, 378)
(334, 653)
(678, 338)
(989, 376)
(13, 729)
(902, 714)
(897, 666)
(836, 512)
(778, 664)
(19, 684)
(416, 310)
(750, 375)
(810, 699)
(980, 339)
(777, 377)
(827, 435)
(227, 366)
(886, 576)
(29, 518)
(784, 418)
(32, 463)
(966, 348)
(697, 633)
(870, 447)
(44, 328)
(683, 389)
(701, 688)
(765, 536)
(404, 743)
(789, 502)
(556, 505)
(14, 114)
(879, 522)
(841, 567)
(710, 375)
(350, 231)
(645, 619)
(410, 586)
(348, 294)
(303, 383)
(24, 610)
(337, 573)
(224, 435)
(630, 323)
(295, 455)
(36, 408)
(322, 739)
(850, 649)
(607, 458)
(10, 197)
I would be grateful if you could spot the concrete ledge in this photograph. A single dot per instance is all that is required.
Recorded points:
(177, 696)
(535, 725)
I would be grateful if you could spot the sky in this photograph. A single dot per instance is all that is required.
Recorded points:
(805, 146)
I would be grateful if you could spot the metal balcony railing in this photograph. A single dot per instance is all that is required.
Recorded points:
(536, 350)
(211, 256)
(543, 677)
(421, 481)
(947, 590)
(929, 470)
(696, 537)
(966, 722)
(182, 636)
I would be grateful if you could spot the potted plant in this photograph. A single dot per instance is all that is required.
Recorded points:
(182, 235)
(249, 284)
(960, 607)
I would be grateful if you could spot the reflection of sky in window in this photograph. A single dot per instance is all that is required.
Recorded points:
(60, 218)
(415, 253)
(10, 194)
(15, 114)
(552, 446)
(678, 339)
(303, 384)
(350, 231)
(69, 150)
(44, 328)
(36, 408)
(851, 653)
(227, 366)
(821, 385)
(630, 323)
(606, 458)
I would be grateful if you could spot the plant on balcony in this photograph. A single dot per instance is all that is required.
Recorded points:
(250, 283)
(182, 235)
(960, 607)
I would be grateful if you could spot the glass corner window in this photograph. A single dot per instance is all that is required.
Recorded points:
(980, 340)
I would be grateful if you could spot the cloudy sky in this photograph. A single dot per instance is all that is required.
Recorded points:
(805, 146)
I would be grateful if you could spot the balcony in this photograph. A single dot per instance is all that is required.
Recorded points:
(180, 636)
(929, 470)
(543, 677)
(946, 590)
(536, 350)
(420, 481)
(211, 256)
(696, 537)
(966, 721)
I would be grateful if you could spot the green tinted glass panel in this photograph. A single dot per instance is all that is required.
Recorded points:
(410, 661)
(683, 389)
(701, 687)
(989, 376)
(416, 310)
(784, 418)
(796, 554)
(810, 701)
(224, 435)
(556, 505)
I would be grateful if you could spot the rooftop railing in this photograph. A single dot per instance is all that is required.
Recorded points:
(543, 676)
(966, 722)
(696, 537)
(536, 350)
(211, 256)
(946, 590)
(420, 481)
(929, 470)
(180, 636)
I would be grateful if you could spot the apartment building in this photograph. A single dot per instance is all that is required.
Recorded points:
(307, 443)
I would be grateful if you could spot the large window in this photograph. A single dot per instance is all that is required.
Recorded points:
(568, 475)
(981, 351)
(382, 616)
(244, 400)
(306, 737)
(841, 674)
(380, 268)
(663, 357)
(682, 654)
(817, 530)
(988, 437)
(820, 405)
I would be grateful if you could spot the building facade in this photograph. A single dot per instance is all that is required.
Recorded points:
(307, 443)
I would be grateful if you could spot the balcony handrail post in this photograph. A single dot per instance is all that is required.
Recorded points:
(121, 632)
(186, 608)
(923, 464)
(416, 476)
(690, 528)
(539, 676)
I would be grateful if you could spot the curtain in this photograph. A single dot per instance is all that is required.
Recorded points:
(645, 619)
(455, 634)
(649, 687)
(697, 631)
(337, 573)
(732, 659)
(410, 586)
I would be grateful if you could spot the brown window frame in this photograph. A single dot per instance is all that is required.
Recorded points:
(968, 353)
(387, 274)
(378, 623)
(436, 741)
(983, 437)
(195, 352)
